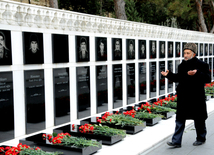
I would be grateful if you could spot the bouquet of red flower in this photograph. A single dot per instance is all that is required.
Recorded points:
(87, 128)
(67, 140)
(24, 150)
(118, 119)
(130, 113)
(170, 102)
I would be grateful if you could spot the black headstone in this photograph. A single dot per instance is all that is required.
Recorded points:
(101, 48)
(162, 78)
(6, 106)
(82, 49)
(152, 78)
(152, 49)
(170, 49)
(34, 100)
(177, 62)
(142, 49)
(162, 49)
(183, 44)
(210, 50)
(210, 66)
(201, 49)
(60, 48)
(117, 86)
(5, 48)
(130, 48)
(205, 49)
(131, 83)
(178, 49)
(197, 49)
(61, 95)
(102, 88)
(83, 92)
(170, 83)
(33, 48)
(117, 49)
(142, 81)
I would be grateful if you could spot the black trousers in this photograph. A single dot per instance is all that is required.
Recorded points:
(200, 127)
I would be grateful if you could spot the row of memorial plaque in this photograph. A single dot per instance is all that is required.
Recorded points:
(33, 48)
(35, 94)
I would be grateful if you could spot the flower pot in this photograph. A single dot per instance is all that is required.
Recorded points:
(45, 145)
(108, 140)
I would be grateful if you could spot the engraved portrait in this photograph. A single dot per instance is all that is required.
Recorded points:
(5, 48)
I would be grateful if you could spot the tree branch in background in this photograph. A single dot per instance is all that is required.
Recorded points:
(53, 4)
(119, 6)
(200, 15)
(212, 4)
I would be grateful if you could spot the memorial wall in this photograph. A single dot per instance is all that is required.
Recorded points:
(59, 66)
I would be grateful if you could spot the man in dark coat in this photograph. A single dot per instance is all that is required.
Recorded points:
(192, 76)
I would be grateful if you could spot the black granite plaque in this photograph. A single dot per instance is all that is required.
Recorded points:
(130, 48)
(142, 81)
(83, 92)
(210, 66)
(177, 63)
(206, 60)
(152, 78)
(197, 49)
(205, 49)
(213, 67)
(117, 86)
(178, 49)
(210, 50)
(101, 48)
(183, 44)
(61, 95)
(213, 49)
(162, 49)
(82, 49)
(34, 100)
(102, 88)
(5, 48)
(162, 78)
(170, 49)
(131, 83)
(60, 48)
(201, 49)
(170, 83)
(117, 49)
(152, 49)
(33, 48)
(142, 49)
(6, 106)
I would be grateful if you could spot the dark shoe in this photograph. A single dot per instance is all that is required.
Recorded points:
(196, 143)
(173, 144)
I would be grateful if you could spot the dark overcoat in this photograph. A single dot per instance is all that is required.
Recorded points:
(191, 102)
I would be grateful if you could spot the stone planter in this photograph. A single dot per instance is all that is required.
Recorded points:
(151, 121)
(108, 140)
(45, 145)
(167, 114)
(129, 129)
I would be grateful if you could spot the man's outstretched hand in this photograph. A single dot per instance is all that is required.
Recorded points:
(192, 72)
(165, 73)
